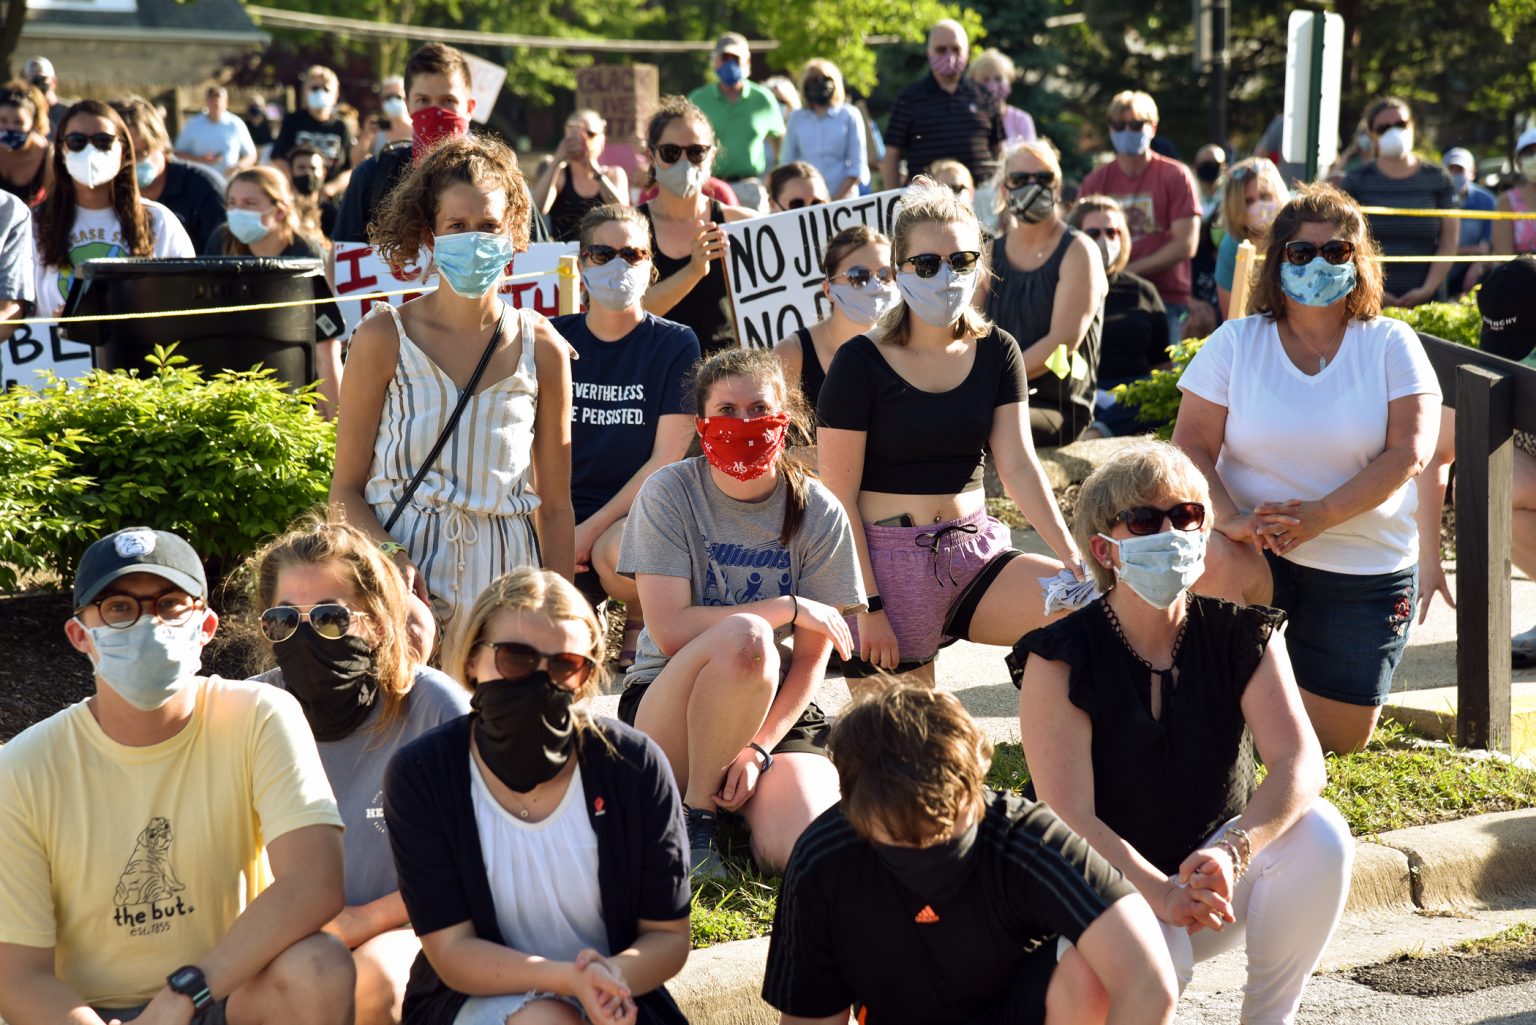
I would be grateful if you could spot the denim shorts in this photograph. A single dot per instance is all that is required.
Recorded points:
(1347, 632)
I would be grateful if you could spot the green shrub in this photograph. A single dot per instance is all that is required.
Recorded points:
(1457, 321)
(224, 461)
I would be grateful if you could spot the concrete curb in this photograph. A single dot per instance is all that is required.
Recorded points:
(1473, 862)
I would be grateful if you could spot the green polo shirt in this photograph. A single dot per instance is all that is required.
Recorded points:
(740, 127)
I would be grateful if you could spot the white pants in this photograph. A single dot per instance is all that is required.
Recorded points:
(1286, 907)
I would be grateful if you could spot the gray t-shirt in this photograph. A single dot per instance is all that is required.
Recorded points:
(682, 525)
(355, 766)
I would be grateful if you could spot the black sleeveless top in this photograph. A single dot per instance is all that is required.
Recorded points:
(1021, 303)
(1164, 785)
(707, 308)
(569, 207)
(812, 373)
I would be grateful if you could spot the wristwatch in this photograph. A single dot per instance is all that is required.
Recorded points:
(874, 603)
(189, 982)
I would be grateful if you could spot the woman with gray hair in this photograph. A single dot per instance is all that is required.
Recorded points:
(1140, 715)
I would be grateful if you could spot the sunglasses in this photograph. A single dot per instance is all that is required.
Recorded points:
(671, 152)
(1142, 520)
(1022, 179)
(860, 277)
(1098, 233)
(798, 204)
(926, 265)
(1382, 129)
(328, 619)
(76, 141)
(515, 660)
(600, 255)
(1335, 252)
(1126, 126)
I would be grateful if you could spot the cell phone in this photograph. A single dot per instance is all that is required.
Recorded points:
(903, 520)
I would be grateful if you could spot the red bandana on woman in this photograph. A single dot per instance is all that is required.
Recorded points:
(744, 449)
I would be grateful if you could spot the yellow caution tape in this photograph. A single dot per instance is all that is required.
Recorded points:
(1467, 215)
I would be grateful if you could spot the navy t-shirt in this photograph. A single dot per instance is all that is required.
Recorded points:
(619, 391)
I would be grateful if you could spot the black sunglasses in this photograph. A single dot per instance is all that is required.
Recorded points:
(1097, 233)
(860, 276)
(1022, 179)
(796, 204)
(1383, 129)
(76, 141)
(1142, 520)
(1126, 126)
(515, 660)
(600, 255)
(328, 619)
(671, 152)
(926, 265)
(1335, 252)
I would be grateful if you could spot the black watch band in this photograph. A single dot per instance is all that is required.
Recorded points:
(875, 603)
(189, 982)
(767, 758)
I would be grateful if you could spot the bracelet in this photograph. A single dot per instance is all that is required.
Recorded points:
(767, 758)
(1238, 868)
(1244, 840)
(792, 619)
(390, 549)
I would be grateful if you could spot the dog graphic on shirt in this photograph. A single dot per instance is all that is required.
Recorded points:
(149, 876)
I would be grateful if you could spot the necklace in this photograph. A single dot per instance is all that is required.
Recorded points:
(1164, 676)
(1322, 361)
(527, 805)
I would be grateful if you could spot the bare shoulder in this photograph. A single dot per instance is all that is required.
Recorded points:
(738, 213)
(549, 347)
(375, 345)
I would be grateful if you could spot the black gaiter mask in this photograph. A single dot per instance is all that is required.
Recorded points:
(524, 729)
(334, 680)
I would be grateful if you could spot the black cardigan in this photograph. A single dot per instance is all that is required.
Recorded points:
(634, 809)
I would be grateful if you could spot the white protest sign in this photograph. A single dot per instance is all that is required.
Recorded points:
(360, 273)
(35, 348)
(775, 263)
(485, 82)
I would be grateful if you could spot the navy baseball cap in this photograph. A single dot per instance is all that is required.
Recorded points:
(138, 550)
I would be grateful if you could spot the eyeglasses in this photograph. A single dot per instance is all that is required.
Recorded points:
(798, 204)
(515, 660)
(600, 255)
(120, 611)
(76, 141)
(328, 619)
(926, 265)
(1098, 233)
(1022, 179)
(1127, 126)
(1335, 252)
(1142, 520)
(860, 277)
(1383, 129)
(671, 152)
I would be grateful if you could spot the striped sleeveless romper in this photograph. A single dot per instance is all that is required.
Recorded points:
(470, 520)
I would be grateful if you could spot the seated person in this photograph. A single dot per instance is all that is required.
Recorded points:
(795, 186)
(177, 780)
(1140, 715)
(627, 400)
(956, 177)
(972, 906)
(193, 192)
(540, 850)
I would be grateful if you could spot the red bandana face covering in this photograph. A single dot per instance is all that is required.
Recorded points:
(744, 449)
(431, 125)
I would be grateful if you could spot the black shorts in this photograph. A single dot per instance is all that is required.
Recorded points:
(591, 587)
(213, 1015)
(808, 735)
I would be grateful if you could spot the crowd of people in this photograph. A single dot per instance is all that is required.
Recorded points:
(412, 813)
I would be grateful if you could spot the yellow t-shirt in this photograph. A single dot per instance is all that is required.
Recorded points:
(133, 861)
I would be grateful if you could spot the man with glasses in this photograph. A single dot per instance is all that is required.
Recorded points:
(1160, 203)
(133, 825)
(943, 114)
(744, 115)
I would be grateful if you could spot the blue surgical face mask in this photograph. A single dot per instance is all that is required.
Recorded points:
(1458, 177)
(730, 73)
(1319, 283)
(12, 138)
(150, 662)
(616, 285)
(318, 99)
(393, 107)
(146, 172)
(1160, 567)
(246, 225)
(470, 262)
(1132, 142)
(938, 300)
(868, 304)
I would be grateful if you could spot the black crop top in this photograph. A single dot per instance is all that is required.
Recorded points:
(921, 443)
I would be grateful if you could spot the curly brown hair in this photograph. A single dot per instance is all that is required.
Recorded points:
(1320, 204)
(409, 211)
(54, 218)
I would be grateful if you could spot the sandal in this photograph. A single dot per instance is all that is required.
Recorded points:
(631, 642)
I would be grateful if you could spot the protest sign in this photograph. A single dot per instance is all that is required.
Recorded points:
(34, 348)
(485, 82)
(361, 274)
(623, 96)
(775, 263)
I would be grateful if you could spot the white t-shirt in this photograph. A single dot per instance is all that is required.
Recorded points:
(543, 875)
(96, 234)
(1290, 435)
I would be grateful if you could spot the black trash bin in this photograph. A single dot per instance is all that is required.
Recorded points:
(283, 339)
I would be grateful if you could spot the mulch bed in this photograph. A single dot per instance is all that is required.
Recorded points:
(1449, 974)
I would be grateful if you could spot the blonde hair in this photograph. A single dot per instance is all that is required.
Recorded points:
(1234, 205)
(990, 61)
(1138, 104)
(829, 71)
(1138, 474)
(948, 165)
(274, 185)
(1041, 149)
(927, 202)
(324, 73)
(1110, 207)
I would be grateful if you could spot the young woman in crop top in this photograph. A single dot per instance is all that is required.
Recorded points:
(860, 287)
(691, 287)
(905, 420)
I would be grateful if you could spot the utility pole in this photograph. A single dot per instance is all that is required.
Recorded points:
(1220, 13)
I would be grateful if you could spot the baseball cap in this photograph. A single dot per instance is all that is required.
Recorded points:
(1507, 302)
(41, 67)
(1527, 138)
(1459, 157)
(139, 550)
(733, 43)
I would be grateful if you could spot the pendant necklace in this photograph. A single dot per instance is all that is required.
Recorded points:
(1322, 361)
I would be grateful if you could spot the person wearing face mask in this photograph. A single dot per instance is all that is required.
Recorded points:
(262, 220)
(216, 137)
(743, 116)
(1398, 178)
(259, 123)
(1476, 236)
(995, 71)
(1133, 338)
(1047, 291)
(306, 174)
(193, 192)
(935, 565)
(690, 288)
(1311, 420)
(393, 124)
(452, 495)
(335, 626)
(1514, 237)
(38, 71)
(1140, 716)
(1160, 202)
(1210, 164)
(24, 165)
(858, 288)
(628, 409)
(540, 848)
(193, 786)
(943, 114)
(731, 550)
(1250, 197)
(317, 124)
(95, 208)
(828, 132)
(573, 182)
(973, 905)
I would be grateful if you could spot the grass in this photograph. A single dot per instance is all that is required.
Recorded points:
(1521, 934)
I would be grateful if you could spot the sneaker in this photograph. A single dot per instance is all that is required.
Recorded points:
(1523, 649)
(704, 860)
